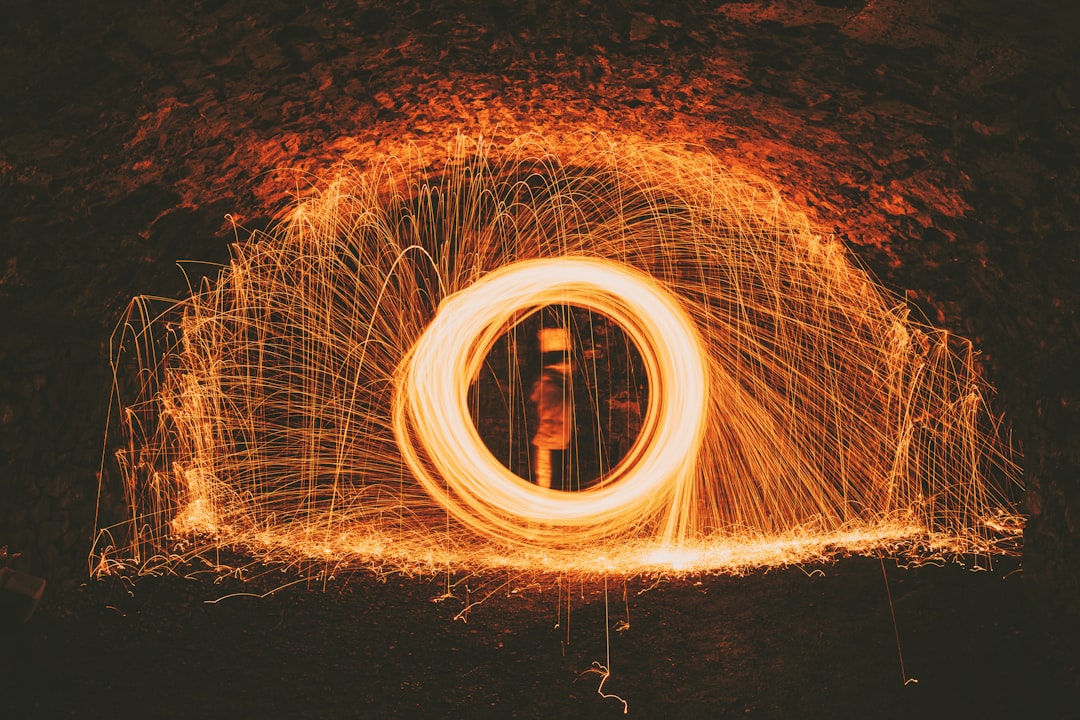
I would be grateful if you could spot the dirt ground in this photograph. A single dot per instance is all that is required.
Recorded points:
(937, 139)
(810, 642)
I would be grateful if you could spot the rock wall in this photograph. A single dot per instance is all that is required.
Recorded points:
(938, 138)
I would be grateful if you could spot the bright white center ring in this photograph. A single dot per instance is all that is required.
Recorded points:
(442, 446)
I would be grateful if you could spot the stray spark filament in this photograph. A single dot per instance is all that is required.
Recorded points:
(355, 383)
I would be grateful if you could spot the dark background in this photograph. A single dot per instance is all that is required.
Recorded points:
(937, 139)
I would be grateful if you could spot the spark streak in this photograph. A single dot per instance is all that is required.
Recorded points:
(319, 398)
(653, 478)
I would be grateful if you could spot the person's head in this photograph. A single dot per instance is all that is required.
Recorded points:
(554, 339)
(555, 352)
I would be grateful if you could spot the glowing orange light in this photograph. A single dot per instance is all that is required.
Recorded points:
(481, 492)
(315, 399)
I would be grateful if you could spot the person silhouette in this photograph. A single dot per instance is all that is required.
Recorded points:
(552, 397)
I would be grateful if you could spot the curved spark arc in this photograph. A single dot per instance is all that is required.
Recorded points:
(316, 401)
(656, 474)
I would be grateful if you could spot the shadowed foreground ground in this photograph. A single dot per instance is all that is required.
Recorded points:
(813, 642)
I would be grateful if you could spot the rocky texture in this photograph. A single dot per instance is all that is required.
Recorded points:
(938, 139)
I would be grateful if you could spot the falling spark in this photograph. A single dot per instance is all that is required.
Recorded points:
(323, 397)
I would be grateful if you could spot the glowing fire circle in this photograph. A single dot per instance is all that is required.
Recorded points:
(441, 445)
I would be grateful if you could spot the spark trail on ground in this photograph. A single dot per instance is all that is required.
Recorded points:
(323, 396)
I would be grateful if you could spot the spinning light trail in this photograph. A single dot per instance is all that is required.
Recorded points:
(324, 396)
(658, 471)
